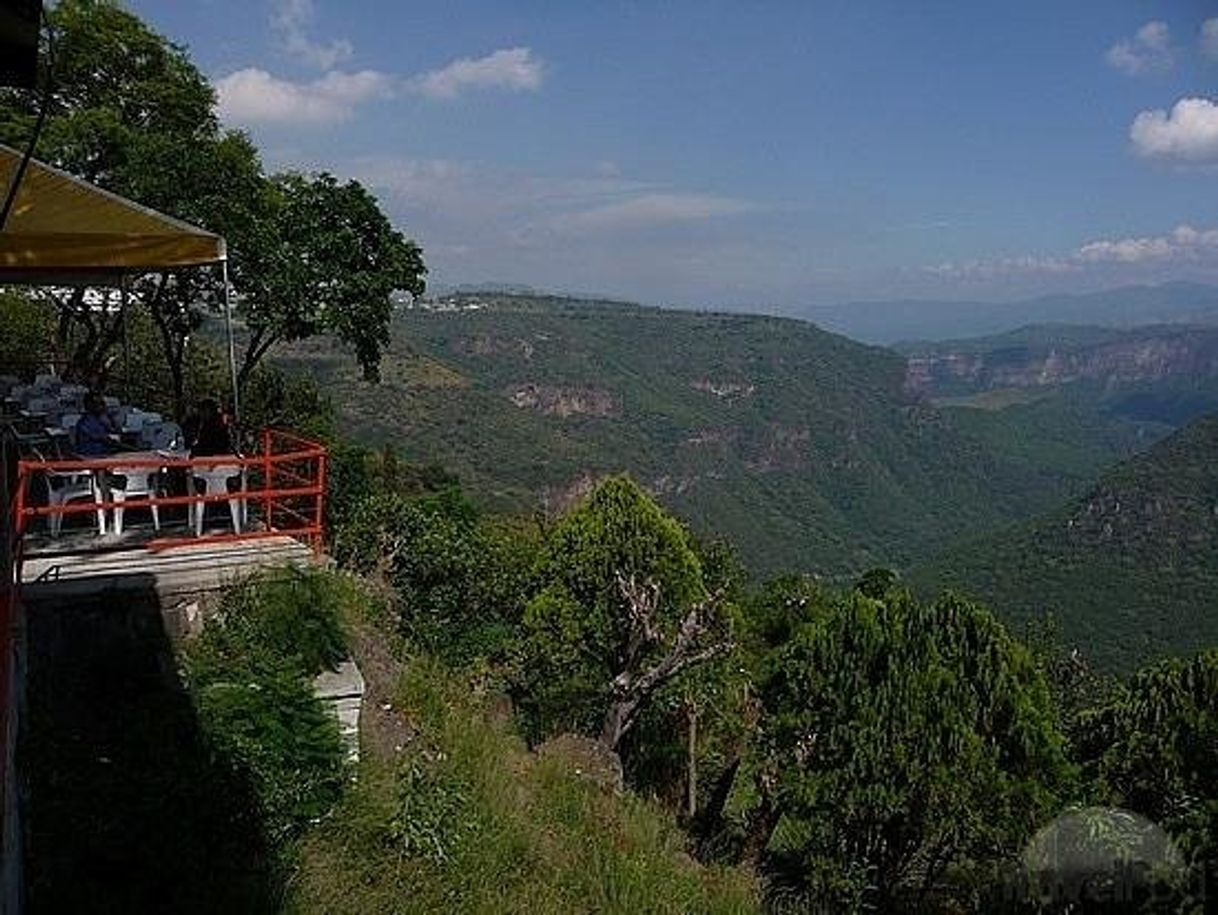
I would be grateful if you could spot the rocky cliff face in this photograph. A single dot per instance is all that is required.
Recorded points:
(1139, 358)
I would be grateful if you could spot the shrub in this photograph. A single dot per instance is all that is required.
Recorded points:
(461, 580)
(250, 673)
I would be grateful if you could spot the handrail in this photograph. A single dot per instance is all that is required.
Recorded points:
(288, 484)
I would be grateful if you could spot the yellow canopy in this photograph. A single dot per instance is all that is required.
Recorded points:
(65, 231)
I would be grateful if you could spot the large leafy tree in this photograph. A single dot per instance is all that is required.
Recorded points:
(328, 264)
(622, 611)
(129, 111)
(116, 92)
(909, 746)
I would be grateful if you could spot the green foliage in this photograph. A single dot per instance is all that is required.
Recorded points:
(461, 582)
(131, 113)
(811, 456)
(267, 725)
(328, 263)
(1152, 748)
(250, 673)
(290, 617)
(779, 609)
(27, 324)
(910, 747)
(117, 85)
(432, 801)
(466, 819)
(1124, 568)
(577, 626)
(273, 397)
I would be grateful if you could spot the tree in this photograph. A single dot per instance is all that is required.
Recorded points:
(1153, 749)
(622, 611)
(116, 84)
(329, 265)
(131, 112)
(911, 746)
(460, 580)
(26, 326)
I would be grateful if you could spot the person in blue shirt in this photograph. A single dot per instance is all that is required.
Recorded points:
(95, 432)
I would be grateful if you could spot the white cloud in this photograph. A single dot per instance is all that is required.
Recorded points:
(514, 69)
(1183, 245)
(1188, 134)
(652, 209)
(1209, 38)
(290, 20)
(255, 96)
(1001, 267)
(1149, 51)
(537, 207)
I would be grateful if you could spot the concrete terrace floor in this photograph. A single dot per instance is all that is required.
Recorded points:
(81, 563)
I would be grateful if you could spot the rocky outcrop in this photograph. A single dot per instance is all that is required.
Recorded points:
(564, 401)
(585, 758)
(1147, 357)
(724, 390)
(488, 345)
(783, 449)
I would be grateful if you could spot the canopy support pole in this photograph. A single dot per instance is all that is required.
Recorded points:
(232, 344)
(122, 316)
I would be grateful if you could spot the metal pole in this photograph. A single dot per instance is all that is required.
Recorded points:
(232, 344)
(122, 316)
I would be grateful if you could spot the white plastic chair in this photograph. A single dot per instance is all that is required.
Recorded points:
(129, 419)
(161, 435)
(138, 481)
(41, 404)
(64, 486)
(215, 481)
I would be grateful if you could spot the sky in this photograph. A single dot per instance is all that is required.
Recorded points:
(759, 155)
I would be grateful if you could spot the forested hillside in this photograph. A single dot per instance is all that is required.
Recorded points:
(800, 446)
(1130, 570)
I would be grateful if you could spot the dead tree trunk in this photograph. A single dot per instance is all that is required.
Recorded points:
(632, 688)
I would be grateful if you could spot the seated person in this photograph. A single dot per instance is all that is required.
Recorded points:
(208, 433)
(95, 431)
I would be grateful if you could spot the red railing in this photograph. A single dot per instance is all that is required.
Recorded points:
(284, 485)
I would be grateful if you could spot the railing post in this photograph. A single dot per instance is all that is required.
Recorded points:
(321, 501)
(17, 547)
(19, 503)
(267, 484)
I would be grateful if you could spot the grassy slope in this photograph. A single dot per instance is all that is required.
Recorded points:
(452, 813)
(1130, 570)
(823, 466)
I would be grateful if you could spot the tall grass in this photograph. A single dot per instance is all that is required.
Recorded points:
(466, 819)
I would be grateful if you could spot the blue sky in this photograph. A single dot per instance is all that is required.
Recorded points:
(762, 155)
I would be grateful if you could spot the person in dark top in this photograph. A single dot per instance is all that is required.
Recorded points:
(208, 434)
(95, 432)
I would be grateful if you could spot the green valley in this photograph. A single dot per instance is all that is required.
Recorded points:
(802, 447)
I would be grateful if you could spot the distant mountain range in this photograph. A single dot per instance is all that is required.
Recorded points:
(802, 447)
(1129, 570)
(889, 322)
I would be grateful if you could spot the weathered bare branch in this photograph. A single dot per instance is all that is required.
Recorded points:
(631, 687)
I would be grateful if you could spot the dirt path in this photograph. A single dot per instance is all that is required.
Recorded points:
(384, 730)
